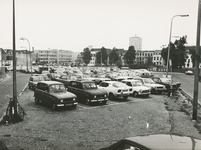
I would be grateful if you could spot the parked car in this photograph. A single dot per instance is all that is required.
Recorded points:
(99, 80)
(138, 89)
(88, 92)
(115, 89)
(65, 79)
(156, 142)
(154, 87)
(167, 82)
(189, 72)
(120, 78)
(33, 80)
(54, 93)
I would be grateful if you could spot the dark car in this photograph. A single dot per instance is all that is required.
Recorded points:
(87, 92)
(157, 142)
(65, 79)
(167, 82)
(54, 93)
(33, 80)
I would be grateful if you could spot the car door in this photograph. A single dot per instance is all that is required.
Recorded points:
(46, 94)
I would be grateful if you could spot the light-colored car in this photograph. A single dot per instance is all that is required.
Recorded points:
(189, 72)
(156, 141)
(116, 89)
(138, 88)
(154, 87)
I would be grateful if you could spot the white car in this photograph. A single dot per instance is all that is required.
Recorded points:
(115, 89)
(138, 89)
(154, 87)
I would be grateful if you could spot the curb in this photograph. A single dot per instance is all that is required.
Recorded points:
(188, 96)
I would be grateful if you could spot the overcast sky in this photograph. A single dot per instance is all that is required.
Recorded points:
(76, 24)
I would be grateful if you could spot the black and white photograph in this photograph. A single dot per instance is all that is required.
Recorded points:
(100, 75)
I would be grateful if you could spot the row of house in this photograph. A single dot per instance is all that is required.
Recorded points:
(66, 57)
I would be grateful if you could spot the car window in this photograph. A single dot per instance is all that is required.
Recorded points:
(129, 84)
(127, 146)
(55, 88)
(103, 84)
(89, 85)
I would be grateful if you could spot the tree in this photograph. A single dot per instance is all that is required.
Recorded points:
(129, 57)
(177, 53)
(102, 54)
(86, 56)
(181, 53)
(114, 56)
(149, 61)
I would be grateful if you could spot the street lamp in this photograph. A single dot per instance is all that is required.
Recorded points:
(170, 41)
(29, 51)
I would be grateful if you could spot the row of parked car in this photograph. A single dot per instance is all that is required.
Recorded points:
(66, 91)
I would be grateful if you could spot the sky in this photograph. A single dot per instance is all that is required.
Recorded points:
(76, 24)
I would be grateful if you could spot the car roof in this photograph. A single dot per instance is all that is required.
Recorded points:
(50, 82)
(133, 80)
(84, 81)
(166, 141)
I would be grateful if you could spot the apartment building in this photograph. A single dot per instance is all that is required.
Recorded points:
(157, 58)
(141, 56)
(136, 42)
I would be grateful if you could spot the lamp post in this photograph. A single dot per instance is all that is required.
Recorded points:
(167, 66)
(29, 51)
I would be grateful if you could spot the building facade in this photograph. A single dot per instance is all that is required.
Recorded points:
(54, 56)
(136, 42)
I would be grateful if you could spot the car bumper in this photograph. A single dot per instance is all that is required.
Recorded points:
(147, 93)
(99, 100)
(68, 104)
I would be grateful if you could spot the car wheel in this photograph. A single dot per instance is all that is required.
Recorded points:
(135, 94)
(74, 106)
(111, 96)
(36, 100)
(53, 106)
(146, 95)
(104, 102)
(125, 97)
(87, 102)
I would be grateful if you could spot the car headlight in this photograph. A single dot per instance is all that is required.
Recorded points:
(119, 91)
(140, 90)
(62, 100)
(74, 99)
(105, 95)
(94, 96)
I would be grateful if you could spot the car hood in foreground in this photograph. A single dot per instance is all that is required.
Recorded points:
(162, 142)
(167, 141)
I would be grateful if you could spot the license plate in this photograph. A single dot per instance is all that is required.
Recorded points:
(68, 104)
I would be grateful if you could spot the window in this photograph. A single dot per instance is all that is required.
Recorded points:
(103, 84)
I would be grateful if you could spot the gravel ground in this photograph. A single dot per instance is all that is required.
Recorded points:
(96, 127)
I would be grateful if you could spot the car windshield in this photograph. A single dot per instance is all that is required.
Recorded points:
(89, 85)
(137, 83)
(118, 84)
(55, 88)
(148, 80)
(38, 78)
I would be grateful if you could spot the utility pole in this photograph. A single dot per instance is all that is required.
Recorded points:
(197, 60)
(14, 112)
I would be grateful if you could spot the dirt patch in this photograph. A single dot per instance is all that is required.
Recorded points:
(179, 102)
